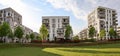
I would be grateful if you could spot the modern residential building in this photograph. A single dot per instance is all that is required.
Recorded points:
(103, 18)
(10, 16)
(36, 35)
(27, 30)
(83, 34)
(14, 19)
(56, 26)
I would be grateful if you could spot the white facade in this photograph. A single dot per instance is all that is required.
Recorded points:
(10, 16)
(26, 30)
(14, 19)
(55, 25)
(83, 34)
(118, 31)
(103, 18)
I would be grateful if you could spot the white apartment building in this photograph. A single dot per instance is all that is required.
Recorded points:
(26, 30)
(103, 18)
(10, 16)
(83, 34)
(14, 19)
(56, 26)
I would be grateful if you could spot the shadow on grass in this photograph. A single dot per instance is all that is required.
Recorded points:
(89, 51)
(25, 51)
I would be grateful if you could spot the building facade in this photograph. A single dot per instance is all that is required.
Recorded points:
(103, 18)
(118, 31)
(26, 30)
(11, 17)
(56, 26)
(83, 34)
(14, 19)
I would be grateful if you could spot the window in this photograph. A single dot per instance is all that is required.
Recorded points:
(4, 15)
(8, 14)
(1, 11)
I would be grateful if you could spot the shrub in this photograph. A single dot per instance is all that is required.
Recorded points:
(36, 41)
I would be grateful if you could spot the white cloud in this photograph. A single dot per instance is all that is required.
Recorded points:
(69, 5)
(27, 12)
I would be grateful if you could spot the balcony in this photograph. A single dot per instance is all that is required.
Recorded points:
(65, 21)
(116, 20)
(114, 12)
(60, 30)
(101, 9)
(101, 16)
(114, 16)
(114, 23)
(45, 21)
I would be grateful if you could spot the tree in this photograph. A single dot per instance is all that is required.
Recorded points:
(68, 31)
(11, 35)
(76, 37)
(43, 32)
(112, 33)
(32, 36)
(39, 38)
(91, 31)
(102, 33)
(27, 36)
(4, 30)
(18, 32)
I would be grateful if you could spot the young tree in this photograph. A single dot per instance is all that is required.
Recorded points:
(76, 37)
(112, 33)
(102, 33)
(68, 32)
(91, 31)
(27, 36)
(11, 35)
(32, 36)
(18, 32)
(43, 32)
(4, 30)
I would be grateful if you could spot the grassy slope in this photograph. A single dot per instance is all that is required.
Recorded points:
(97, 50)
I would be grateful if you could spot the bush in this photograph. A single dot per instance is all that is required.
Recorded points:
(1, 41)
(88, 40)
(36, 41)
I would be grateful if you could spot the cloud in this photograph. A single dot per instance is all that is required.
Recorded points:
(69, 5)
(28, 12)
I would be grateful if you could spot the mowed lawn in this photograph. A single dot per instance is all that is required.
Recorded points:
(96, 50)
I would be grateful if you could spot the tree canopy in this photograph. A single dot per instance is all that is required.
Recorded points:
(4, 29)
(32, 36)
(68, 31)
(112, 32)
(102, 33)
(11, 34)
(43, 32)
(91, 31)
(18, 32)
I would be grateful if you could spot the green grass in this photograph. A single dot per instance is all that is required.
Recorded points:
(97, 50)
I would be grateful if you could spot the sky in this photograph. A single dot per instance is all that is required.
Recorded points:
(78, 10)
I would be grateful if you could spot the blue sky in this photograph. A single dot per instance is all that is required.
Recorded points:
(33, 10)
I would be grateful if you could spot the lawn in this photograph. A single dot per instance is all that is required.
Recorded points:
(97, 50)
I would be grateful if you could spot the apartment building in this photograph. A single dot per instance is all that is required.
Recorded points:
(83, 34)
(14, 19)
(26, 30)
(56, 26)
(10, 16)
(103, 18)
